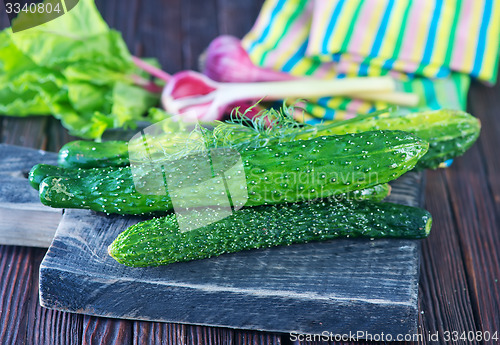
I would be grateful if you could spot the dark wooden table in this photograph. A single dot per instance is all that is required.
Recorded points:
(460, 270)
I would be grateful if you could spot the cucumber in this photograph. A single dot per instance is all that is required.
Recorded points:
(41, 171)
(449, 132)
(159, 241)
(289, 172)
(89, 154)
(87, 193)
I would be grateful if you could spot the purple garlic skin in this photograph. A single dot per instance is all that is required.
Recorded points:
(227, 61)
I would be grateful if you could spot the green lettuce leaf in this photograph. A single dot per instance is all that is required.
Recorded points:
(75, 68)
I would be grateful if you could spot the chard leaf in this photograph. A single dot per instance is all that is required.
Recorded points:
(127, 101)
(75, 68)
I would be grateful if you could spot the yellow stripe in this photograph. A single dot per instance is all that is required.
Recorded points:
(289, 51)
(321, 23)
(302, 67)
(372, 28)
(340, 114)
(364, 108)
(341, 26)
(375, 67)
(260, 25)
(393, 29)
(441, 44)
(316, 111)
(281, 19)
(334, 102)
(491, 50)
(305, 117)
(475, 26)
(380, 105)
(352, 67)
(421, 38)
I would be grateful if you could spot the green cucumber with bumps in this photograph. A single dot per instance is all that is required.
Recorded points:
(160, 241)
(89, 154)
(288, 172)
(41, 171)
(449, 132)
(86, 192)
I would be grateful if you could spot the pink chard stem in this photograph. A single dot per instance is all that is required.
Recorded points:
(146, 84)
(154, 71)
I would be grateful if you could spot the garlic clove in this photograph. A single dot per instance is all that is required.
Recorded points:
(228, 61)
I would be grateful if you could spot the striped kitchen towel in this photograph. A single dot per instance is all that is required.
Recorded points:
(432, 47)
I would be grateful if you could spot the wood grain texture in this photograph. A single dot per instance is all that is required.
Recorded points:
(106, 331)
(16, 274)
(444, 290)
(159, 33)
(237, 17)
(56, 136)
(476, 210)
(24, 131)
(19, 201)
(346, 284)
(199, 26)
(441, 300)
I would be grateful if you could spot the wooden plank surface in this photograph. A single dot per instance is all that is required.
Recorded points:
(347, 285)
(23, 218)
(453, 294)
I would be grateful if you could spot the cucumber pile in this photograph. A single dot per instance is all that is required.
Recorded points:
(301, 183)
(450, 134)
(327, 166)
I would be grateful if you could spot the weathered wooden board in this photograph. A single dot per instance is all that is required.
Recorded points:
(23, 219)
(336, 286)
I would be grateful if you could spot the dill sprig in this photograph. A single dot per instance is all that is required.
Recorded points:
(271, 126)
(268, 127)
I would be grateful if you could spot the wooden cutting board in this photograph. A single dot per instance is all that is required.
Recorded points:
(24, 221)
(337, 286)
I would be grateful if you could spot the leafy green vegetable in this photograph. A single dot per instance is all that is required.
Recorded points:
(75, 68)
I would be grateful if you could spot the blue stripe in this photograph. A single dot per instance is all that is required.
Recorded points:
(443, 72)
(336, 57)
(432, 32)
(314, 121)
(381, 30)
(377, 43)
(331, 25)
(388, 64)
(265, 33)
(481, 42)
(323, 101)
(299, 55)
(329, 114)
(363, 69)
(431, 100)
